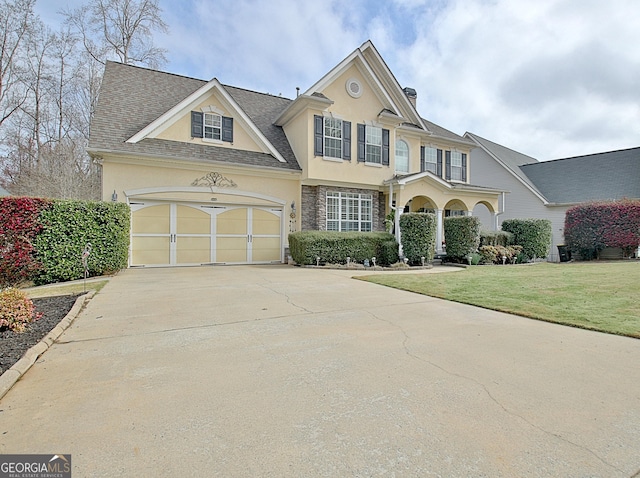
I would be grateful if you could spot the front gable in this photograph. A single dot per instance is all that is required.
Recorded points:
(208, 117)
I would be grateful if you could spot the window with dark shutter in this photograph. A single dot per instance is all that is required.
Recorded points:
(439, 163)
(422, 155)
(197, 124)
(361, 142)
(447, 165)
(227, 129)
(318, 125)
(464, 167)
(346, 140)
(385, 147)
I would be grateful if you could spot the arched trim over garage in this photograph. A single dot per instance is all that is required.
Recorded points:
(199, 189)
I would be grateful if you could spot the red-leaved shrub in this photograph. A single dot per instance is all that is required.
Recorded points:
(16, 310)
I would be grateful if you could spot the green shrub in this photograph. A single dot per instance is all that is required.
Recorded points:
(16, 310)
(418, 236)
(68, 226)
(589, 228)
(495, 238)
(495, 254)
(334, 247)
(534, 235)
(461, 236)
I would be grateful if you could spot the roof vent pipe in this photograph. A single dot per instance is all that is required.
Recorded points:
(297, 91)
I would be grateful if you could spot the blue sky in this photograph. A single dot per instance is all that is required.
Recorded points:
(548, 78)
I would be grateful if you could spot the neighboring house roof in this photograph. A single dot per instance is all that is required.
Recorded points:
(595, 177)
(132, 97)
(445, 133)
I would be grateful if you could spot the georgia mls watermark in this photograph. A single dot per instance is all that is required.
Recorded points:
(35, 466)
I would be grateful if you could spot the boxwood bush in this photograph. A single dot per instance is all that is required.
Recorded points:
(418, 236)
(334, 247)
(496, 238)
(461, 236)
(534, 235)
(68, 226)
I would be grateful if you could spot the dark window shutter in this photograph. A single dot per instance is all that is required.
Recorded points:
(447, 165)
(227, 129)
(464, 167)
(385, 147)
(439, 164)
(346, 140)
(318, 127)
(361, 144)
(422, 158)
(196, 124)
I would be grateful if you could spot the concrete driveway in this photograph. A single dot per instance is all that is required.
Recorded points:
(281, 371)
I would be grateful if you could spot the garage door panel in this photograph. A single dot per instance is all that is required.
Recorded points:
(150, 250)
(231, 249)
(190, 220)
(233, 221)
(265, 222)
(152, 220)
(193, 250)
(266, 249)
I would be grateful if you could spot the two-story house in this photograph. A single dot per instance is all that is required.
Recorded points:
(219, 174)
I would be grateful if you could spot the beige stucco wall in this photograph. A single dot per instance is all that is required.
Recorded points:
(181, 129)
(172, 181)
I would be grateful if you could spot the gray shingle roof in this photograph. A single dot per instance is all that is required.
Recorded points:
(595, 177)
(444, 133)
(132, 97)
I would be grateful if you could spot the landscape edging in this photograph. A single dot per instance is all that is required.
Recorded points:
(17, 370)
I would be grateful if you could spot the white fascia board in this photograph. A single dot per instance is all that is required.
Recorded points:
(170, 117)
(300, 104)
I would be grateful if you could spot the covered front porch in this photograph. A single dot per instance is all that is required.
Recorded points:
(425, 192)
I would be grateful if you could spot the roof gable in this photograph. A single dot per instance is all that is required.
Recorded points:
(182, 109)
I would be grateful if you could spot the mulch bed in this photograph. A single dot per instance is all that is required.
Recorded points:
(13, 345)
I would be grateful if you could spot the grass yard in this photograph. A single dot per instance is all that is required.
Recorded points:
(603, 296)
(63, 288)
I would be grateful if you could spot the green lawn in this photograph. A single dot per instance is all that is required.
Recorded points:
(76, 287)
(603, 296)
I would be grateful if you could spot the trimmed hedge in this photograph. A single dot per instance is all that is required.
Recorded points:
(67, 226)
(534, 235)
(589, 228)
(334, 247)
(418, 236)
(494, 254)
(461, 236)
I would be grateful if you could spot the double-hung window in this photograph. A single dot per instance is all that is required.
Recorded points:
(456, 166)
(431, 160)
(373, 144)
(332, 137)
(349, 212)
(212, 126)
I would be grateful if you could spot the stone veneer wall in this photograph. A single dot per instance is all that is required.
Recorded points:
(314, 206)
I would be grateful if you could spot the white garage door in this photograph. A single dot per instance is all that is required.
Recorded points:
(187, 234)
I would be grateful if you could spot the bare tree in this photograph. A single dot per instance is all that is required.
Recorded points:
(120, 29)
(16, 24)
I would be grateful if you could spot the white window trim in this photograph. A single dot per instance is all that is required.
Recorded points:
(366, 143)
(324, 138)
(395, 161)
(361, 198)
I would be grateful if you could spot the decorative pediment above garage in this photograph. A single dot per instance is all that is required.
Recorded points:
(210, 117)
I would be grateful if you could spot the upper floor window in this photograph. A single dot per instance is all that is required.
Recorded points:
(211, 126)
(431, 160)
(456, 165)
(402, 156)
(373, 144)
(332, 137)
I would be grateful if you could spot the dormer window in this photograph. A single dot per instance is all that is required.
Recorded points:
(211, 126)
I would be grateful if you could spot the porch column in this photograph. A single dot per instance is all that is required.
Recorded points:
(439, 231)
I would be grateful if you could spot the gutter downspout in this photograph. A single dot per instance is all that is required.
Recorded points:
(396, 219)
